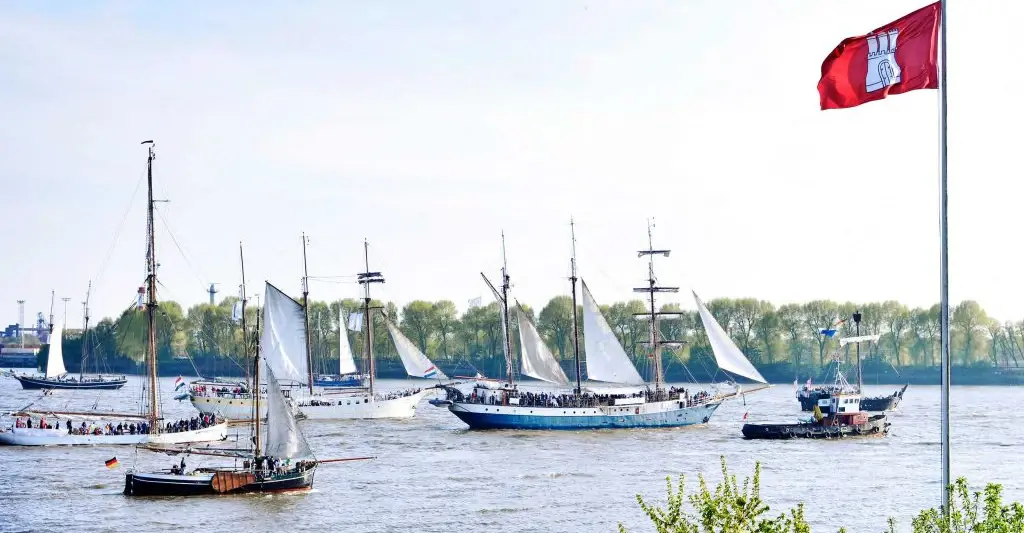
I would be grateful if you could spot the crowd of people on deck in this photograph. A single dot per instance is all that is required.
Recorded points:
(585, 399)
(347, 400)
(210, 391)
(122, 428)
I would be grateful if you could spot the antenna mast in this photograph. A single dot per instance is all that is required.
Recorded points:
(575, 320)
(365, 279)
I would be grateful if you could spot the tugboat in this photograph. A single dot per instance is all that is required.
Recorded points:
(836, 417)
(809, 395)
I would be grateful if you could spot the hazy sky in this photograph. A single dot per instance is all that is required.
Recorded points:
(429, 127)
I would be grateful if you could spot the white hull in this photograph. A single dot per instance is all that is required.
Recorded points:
(345, 407)
(361, 406)
(228, 408)
(57, 437)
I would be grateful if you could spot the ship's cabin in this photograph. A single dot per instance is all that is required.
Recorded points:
(839, 404)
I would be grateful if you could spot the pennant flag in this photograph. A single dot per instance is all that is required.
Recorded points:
(476, 302)
(112, 463)
(355, 321)
(898, 57)
(828, 332)
(745, 415)
(236, 311)
(179, 383)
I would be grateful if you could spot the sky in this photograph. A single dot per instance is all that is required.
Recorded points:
(429, 128)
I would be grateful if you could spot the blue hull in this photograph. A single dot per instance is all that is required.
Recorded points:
(497, 420)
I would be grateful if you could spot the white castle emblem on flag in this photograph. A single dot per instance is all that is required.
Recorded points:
(883, 70)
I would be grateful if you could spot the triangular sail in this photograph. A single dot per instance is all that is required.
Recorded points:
(538, 361)
(728, 356)
(283, 438)
(284, 336)
(416, 364)
(55, 359)
(605, 358)
(346, 363)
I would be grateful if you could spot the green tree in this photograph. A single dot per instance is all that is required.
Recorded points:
(980, 512)
(555, 323)
(767, 330)
(446, 323)
(819, 315)
(726, 509)
(898, 320)
(418, 322)
(967, 321)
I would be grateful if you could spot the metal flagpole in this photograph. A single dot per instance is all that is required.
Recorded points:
(943, 261)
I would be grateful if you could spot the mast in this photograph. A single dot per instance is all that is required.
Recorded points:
(154, 413)
(365, 279)
(652, 288)
(575, 321)
(305, 312)
(505, 285)
(53, 294)
(85, 333)
(860, 370)
(255, 388)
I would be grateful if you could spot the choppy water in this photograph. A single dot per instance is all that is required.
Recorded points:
(432, 475)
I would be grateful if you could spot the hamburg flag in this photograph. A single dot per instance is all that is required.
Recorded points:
(896, 58)
(112, 463)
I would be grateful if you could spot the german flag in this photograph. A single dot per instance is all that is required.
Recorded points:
(112, 463)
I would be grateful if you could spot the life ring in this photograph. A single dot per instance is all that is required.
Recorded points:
(636, 411)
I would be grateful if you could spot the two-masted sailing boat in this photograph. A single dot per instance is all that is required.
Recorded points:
(148, 426)
(56, 376)
(280, 459)
(293, 365)
(645, 405)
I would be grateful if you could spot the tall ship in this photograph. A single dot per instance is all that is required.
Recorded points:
(292, 363)
(809, 395)
(92, 427)
(631, 402)
(56, 376)
(348, 375)
(279, 459)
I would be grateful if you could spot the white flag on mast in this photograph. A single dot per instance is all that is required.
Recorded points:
(355, 321)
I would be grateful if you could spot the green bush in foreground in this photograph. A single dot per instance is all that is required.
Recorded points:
(728, 509)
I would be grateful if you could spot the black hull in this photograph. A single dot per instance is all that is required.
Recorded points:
(878, 404)
(876, 426)
(164, 485)
(43, 383)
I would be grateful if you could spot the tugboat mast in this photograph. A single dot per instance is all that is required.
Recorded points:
(652, 287)
(365, 279)
(575, 320)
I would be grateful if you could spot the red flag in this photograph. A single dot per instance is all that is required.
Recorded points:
(745, 415)
(898, 57)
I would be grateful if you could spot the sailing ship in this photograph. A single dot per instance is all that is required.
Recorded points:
(348, 375)
(279, 461)
(293, 366)
(151, 427)
(56, 376)
(809, 395)
(644, 405)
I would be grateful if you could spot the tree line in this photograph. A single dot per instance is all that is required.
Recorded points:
(788, 335)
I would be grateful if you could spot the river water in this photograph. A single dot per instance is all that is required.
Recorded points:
(432, 475)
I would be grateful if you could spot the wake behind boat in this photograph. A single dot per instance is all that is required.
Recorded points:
(507, 407)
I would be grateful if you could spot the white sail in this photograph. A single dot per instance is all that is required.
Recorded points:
(606, 360)
(728, 356)
(283, 439)
(416, 364)
(346, 363)
(284, 336)
(55, 360)
(538, 361)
